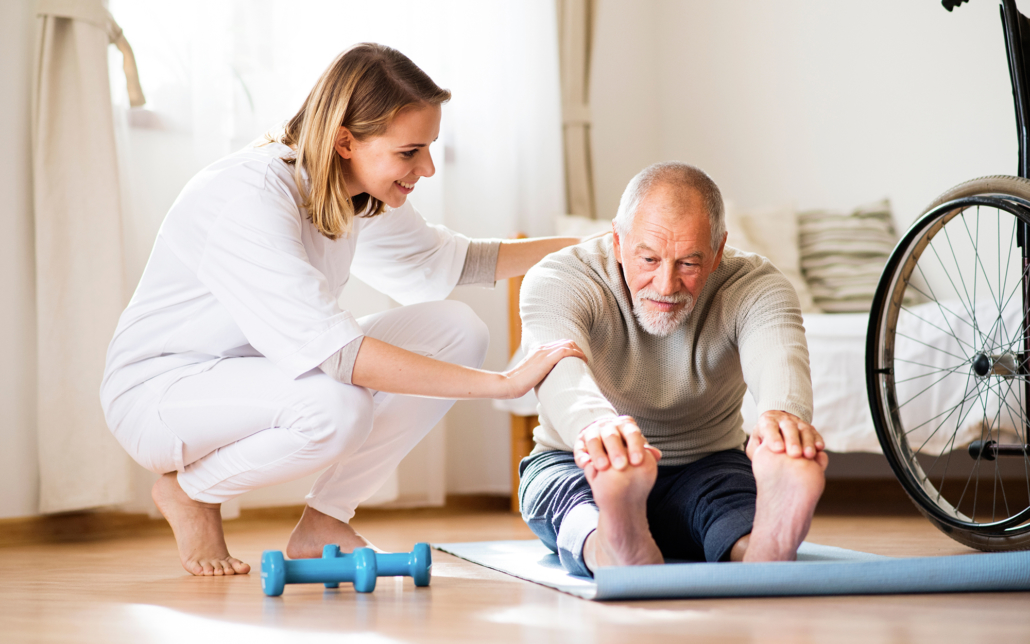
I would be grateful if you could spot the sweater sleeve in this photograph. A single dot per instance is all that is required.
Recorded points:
(772, 345)
(480, 263)
(559, 303)
(340, 365)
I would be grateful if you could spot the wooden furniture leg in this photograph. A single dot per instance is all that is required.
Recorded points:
(521, 426)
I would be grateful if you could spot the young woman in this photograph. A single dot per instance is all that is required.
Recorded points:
(234, 367)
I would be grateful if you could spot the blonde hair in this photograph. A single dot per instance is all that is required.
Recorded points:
(362, 90)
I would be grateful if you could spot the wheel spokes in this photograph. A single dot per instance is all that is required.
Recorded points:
(956, 362)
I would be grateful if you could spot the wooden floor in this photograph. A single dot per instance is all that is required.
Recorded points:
(133, 590)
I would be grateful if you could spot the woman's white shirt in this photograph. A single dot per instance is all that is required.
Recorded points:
(238, 270)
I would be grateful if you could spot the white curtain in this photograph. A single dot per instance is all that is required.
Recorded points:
(214, 85)
(575, 37)
(80, 289)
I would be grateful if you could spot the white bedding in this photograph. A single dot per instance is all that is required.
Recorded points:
(932, 374)
(836, 344)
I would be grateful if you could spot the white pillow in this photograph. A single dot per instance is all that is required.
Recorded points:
(843, 254)
(577, 226)
(773, 234)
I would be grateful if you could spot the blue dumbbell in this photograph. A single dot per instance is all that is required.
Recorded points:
(417, 564)
(358, 568)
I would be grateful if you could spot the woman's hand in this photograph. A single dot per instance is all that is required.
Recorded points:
(535, 367)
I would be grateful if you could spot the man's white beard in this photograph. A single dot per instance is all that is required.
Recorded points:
(661, 323)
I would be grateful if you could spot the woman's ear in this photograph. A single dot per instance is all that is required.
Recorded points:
(344, 144)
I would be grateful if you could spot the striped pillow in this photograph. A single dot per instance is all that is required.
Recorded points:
(842, 255)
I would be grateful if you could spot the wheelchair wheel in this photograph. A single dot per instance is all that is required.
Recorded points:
(947, 363)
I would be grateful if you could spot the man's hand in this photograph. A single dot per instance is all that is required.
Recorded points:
(782, 431)
(617, 442)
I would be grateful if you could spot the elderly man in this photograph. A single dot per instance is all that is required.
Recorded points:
(676, 326)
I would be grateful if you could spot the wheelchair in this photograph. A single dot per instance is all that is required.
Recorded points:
(948, 345)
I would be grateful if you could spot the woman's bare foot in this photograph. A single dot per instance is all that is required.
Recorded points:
(623, 537)
(788, 489)
(316, 529)
(198, 530)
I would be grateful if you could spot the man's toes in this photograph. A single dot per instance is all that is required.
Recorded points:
(822, 459)
(590, 472)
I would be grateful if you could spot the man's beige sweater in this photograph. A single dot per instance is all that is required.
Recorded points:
(685, 389)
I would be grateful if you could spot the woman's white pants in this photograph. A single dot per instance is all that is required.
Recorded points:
(242, 424)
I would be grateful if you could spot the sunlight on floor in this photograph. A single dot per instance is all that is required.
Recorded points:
(160, 624)
(581, 617)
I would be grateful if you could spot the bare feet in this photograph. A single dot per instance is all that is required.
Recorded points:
(198, 530)
(623, 537)
(315, 530)
(788, 489)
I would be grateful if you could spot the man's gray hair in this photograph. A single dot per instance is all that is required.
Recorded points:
(676, 174)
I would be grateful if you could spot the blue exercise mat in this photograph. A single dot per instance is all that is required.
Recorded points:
(820, 570)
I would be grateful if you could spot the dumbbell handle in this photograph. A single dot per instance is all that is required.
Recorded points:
(317, 571)
(416, 564)
(395, 564)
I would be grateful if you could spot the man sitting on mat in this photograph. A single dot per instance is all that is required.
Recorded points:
(676, 327)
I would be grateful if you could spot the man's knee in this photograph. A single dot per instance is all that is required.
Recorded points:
(557, 505)
(550, 480)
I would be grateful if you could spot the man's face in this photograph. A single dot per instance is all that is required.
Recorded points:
(667, 257)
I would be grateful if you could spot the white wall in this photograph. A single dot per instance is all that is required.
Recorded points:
(19, 488)
(820, 104)
(626, 132)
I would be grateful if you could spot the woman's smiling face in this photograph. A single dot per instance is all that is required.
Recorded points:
(388, 166)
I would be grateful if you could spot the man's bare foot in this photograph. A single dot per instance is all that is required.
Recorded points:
(623, 537)
(198, 530)
(316, 529)
(788, 489)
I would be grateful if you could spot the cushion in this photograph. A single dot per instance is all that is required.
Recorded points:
(773, 234)
(843, 254)
(577, 226)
